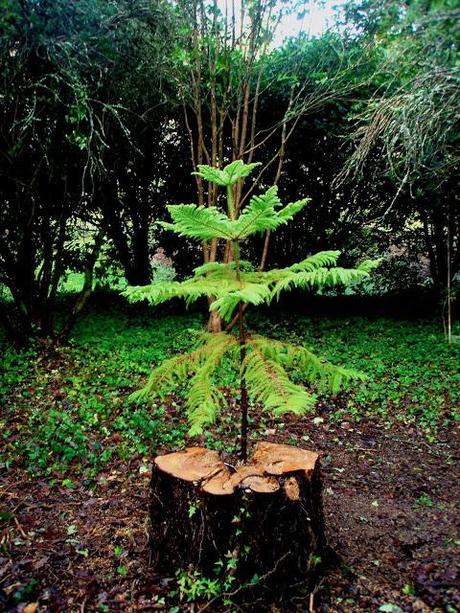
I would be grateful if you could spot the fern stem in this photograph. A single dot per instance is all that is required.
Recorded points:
(230, 202)
(243, 390)
(242, 341)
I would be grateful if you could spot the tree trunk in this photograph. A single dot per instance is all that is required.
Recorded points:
(86, 290)
(214, 322)
(139, 272)
(15, 327)
(266, 515)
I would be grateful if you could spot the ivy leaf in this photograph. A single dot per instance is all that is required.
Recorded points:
(390, 608)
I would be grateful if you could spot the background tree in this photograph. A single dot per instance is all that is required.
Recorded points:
(411, 124)
(99, 109)
(61, 113)
(229, 60)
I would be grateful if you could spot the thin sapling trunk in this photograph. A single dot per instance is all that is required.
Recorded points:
(242, 342)
(243, 391)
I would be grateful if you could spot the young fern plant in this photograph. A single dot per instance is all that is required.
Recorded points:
(263, 364)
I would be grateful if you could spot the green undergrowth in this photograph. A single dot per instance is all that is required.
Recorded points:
(413, 375)
(68, 409)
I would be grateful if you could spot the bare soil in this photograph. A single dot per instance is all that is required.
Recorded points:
(391, 509)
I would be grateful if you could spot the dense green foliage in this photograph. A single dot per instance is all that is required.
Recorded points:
(67, 412)
(93, 130)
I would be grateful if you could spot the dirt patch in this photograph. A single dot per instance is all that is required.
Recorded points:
(390, 502)
(390, 505)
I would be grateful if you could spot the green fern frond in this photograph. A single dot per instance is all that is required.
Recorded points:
(314, 368)
(205, 223)
(229, 175)
(190, 290)
(239, 170)
(203, 403)
(317, 279)
(322, 259)
(215, 344)
(269, 384)
(212, 175)
(227, 290)
(171, 372)
(204, 398)
(214, 268)
(199, 222)
(249, 293)
(222, 270)
(178, 370)
(369, 265)
(255, 288)
(156, 293)
(290, 210)
(261, 214)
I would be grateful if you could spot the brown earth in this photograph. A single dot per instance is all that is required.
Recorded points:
(390, 501)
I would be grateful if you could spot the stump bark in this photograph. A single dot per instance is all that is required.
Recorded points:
(266, 515)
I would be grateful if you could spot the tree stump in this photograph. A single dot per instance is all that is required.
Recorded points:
(265, 515)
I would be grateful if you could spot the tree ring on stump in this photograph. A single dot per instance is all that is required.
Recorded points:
(267, 512)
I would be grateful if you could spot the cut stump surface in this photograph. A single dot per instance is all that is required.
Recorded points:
(266, 515)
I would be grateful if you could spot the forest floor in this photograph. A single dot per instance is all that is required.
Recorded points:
(76, 457)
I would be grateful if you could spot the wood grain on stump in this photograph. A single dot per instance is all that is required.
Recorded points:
(266, 514)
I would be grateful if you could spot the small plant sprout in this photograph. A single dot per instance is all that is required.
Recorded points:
(424, 500)
(263, 364)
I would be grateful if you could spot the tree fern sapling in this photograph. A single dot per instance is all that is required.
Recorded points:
(263, 364)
